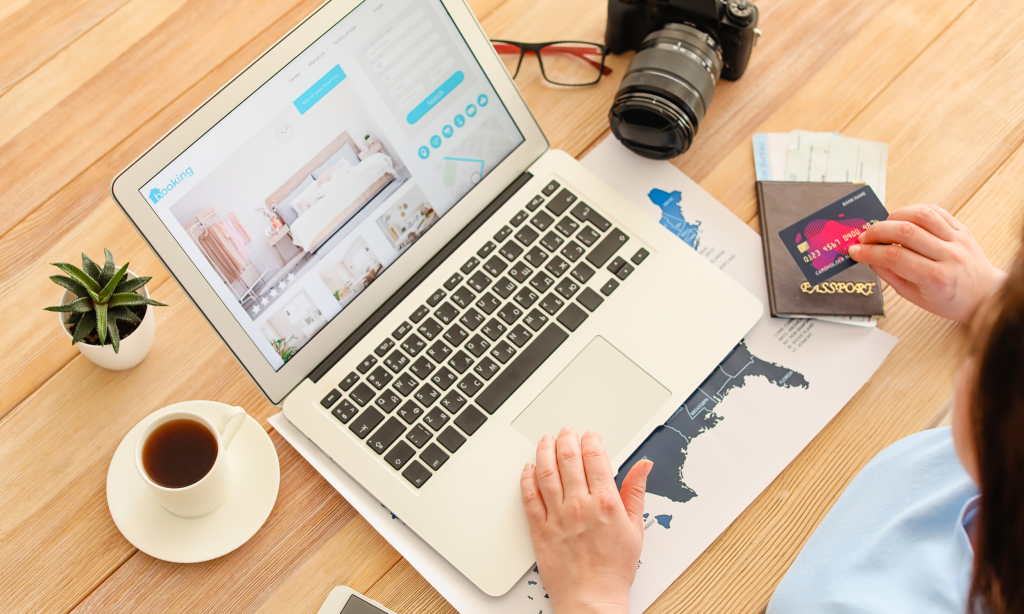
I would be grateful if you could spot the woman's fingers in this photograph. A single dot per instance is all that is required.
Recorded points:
(909, 235)
(570, 463)
(595, 463)
(930, 218)
(906, 263)
(900, 285)
(547, 473)
(533, 502)
(634, 487)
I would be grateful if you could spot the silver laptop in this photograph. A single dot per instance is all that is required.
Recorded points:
(375, 225)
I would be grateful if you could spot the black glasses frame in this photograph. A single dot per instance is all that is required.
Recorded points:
(535, 49)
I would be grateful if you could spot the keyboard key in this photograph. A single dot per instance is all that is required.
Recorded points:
(551, 303)
(640, 256)
(609, 287)
(582, 273)
(366, 364)
(455, 335)
(501, 235)
(588, 236)
(471, 319)
(471, 264)
(487, 303)
(366, 422)
(463, 297)
(446, 313)
(521, 368)
(535, 320)
(470, 420)
(535, 202)
(519, 218)
(510, 251)
(443, 379)
(536, 257)
(625, 271)
(590, 299)
(405, 384)
(434, 457)
(541, 282)
(421, 368)
(566, 226)
(470, 385)
(383, 348)
(396, 361)
(493, 329)
(503, 352)
(430, 329)
(526, 298)
(561, 202)
(520, 335)
(362, 394)
(616, 264)
(479, 281)
(550, 188)
(416, 473)
(402, 330)
(386, 435)
(495, 266)
(331, 398)
(453, 402)
(504, 288)
(427, 395)
(520, 272)
(436, 419)
(486, 368)
(461, 361)
(527, 235)
(345, 411)
(436, 297)
(349, 381)
(418, 435)
(584, 213)
(509, 313)
(572, 317)
(551, 241)
(387, 402)
(542, 220)
(486, 250)
(439, 351)
(567, 288)
(607, 248)
(410, 412)
(453, 281)
(379, 378)
(451, 440)
(557, 266)
(572, 251)
(420, 313)
(399, 455)
(413, 345)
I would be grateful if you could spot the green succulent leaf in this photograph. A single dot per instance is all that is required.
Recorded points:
(79, 275)
(128, 298)
(90, 267)
(101, 322)
(74, 318)
(131, 285)
(108, 268)
(123, 313)
(115, 336)
(85, 326)
(108, 289)
(70, 285)
(79, 305)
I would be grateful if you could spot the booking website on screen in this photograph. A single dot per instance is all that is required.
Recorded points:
(298, 199)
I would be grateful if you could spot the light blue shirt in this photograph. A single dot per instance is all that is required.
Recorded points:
(894, 542)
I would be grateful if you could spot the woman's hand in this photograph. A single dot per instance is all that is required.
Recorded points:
(931, 260)
(587, 535)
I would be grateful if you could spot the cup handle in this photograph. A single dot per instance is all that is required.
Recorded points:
(229, 424)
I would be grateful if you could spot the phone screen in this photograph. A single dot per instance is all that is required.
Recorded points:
(355, 605)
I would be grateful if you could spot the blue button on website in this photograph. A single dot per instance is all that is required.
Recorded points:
(319, 89)
(437, 96)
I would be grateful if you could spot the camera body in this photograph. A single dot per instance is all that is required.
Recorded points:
(732, 23)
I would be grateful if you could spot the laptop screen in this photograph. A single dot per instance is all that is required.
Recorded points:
(308, 190)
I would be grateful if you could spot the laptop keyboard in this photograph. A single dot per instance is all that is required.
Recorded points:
(458, 357)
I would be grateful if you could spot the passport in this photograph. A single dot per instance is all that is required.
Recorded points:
(849, 291)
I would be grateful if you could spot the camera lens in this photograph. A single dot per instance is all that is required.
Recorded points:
(666, 91)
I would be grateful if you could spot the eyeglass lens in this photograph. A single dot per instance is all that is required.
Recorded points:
(567, 63)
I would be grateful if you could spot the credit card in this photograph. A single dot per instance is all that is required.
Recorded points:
(821, 241)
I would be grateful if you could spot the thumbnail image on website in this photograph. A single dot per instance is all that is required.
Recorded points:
(297, 200)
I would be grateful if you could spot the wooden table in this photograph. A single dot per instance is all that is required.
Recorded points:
(87, 85)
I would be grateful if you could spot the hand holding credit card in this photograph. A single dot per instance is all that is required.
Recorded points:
(820, 242)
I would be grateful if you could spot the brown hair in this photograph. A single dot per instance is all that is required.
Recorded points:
(997, 425)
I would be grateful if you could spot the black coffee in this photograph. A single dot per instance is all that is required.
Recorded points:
(179, 453)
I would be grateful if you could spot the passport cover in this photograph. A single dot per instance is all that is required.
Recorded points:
(854, 292)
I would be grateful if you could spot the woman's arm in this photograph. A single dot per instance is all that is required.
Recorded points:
(587, 535)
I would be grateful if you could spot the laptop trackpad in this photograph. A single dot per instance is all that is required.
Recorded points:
(600, 390)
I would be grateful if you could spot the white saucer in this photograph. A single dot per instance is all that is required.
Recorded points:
(255, 478)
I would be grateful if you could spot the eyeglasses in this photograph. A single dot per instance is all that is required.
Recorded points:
(562, 62)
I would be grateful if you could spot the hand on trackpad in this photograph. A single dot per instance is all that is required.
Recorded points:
(600, 390)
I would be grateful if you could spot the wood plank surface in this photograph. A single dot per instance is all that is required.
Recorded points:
(937, 80)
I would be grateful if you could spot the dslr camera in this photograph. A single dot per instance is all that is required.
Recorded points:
(683, 48)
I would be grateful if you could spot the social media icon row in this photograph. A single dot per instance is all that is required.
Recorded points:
(448, 131)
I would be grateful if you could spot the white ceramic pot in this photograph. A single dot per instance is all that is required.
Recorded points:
(133, 348)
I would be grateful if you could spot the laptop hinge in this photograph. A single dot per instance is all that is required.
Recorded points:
(417, 278)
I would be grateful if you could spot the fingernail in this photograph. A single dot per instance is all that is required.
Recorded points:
(526, 467)
(546, 438)
(854, 250)
(647, 469)
(565, 429)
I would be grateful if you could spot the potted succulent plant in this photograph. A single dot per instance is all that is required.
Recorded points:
(105, 312)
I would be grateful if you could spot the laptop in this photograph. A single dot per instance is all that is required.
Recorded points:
(375, 225)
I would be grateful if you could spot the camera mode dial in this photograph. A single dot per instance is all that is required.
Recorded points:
(741, 11)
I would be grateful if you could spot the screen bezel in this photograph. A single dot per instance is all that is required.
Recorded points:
(125, 190)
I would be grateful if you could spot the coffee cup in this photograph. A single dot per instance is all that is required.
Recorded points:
(182, 456)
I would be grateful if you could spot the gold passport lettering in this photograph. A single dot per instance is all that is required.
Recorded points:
(839, 287)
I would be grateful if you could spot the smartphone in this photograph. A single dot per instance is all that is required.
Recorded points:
(343, 600)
